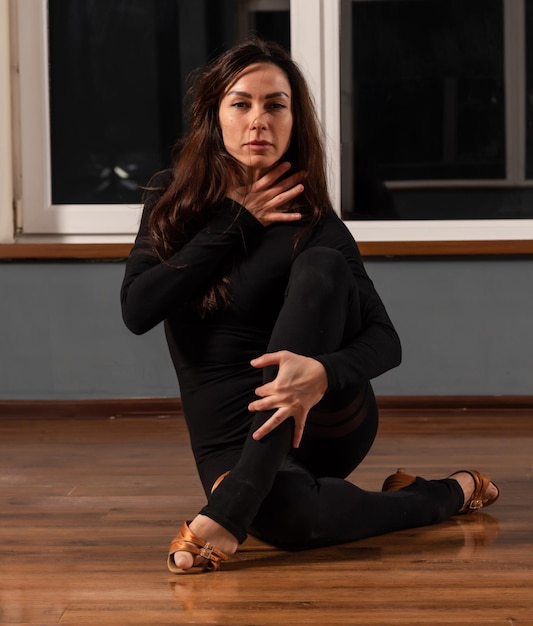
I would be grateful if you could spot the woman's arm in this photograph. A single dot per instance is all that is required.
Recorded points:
(376, 348)
(151, 290)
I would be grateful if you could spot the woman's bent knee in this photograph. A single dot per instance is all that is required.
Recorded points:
(320, 273)
(320, 259)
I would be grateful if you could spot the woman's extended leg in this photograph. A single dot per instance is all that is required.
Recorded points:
(302, 511)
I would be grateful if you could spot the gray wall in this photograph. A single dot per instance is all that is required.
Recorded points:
(466, 326)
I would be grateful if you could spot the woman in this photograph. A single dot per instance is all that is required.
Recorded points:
(273, 325)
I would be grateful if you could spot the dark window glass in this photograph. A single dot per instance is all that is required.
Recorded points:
(427, 103)
(117, 81)
(428, 81)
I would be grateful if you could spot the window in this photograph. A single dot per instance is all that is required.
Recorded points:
(427, 134)
(429, 129)
(432, 98)
(102, 85)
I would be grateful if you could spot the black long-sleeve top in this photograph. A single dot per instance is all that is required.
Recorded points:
(153, 292)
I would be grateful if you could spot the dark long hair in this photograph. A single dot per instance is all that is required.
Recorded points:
(202, 167)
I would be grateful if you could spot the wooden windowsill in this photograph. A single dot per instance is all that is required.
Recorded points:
(446, 248)
(118, 251)
(59, 251)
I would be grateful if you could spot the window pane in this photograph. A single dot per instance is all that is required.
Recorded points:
(424, 100)
(428, 79)
(117, 82)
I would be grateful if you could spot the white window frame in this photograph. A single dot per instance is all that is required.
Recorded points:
(315, 44)
(6, 124)
(37, 215)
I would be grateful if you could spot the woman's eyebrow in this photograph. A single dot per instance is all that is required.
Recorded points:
(277, 94)
(244, 94)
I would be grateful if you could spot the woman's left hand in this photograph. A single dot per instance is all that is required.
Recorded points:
(301, 382)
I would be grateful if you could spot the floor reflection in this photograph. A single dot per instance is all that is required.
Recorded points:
(205, 598)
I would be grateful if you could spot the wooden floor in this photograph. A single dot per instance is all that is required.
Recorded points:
(88, 507)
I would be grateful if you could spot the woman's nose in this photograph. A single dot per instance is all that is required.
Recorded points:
(258, 121)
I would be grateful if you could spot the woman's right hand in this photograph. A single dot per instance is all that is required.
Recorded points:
(300, 383)
(268, 198)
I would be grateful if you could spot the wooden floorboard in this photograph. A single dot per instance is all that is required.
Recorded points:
(88, 507)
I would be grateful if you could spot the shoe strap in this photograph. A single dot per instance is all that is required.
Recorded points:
(186, 540)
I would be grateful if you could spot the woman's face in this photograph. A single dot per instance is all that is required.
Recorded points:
(255, 115)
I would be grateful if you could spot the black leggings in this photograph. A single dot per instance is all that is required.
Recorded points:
(298, 498)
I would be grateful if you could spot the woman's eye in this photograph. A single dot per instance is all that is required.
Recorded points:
(239, 105)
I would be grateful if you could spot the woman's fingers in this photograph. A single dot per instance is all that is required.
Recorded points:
(277, 187)
(276, 195)
(269, 358)
(298, 433)
(267, 180)
(269, 400)
(299, 384)
(269, 197)
(275, 420)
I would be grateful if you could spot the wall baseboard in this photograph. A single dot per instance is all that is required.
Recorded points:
(146, 407)
(87, 409)
(455, 403)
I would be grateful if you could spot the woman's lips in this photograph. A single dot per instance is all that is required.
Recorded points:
(258, 145)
